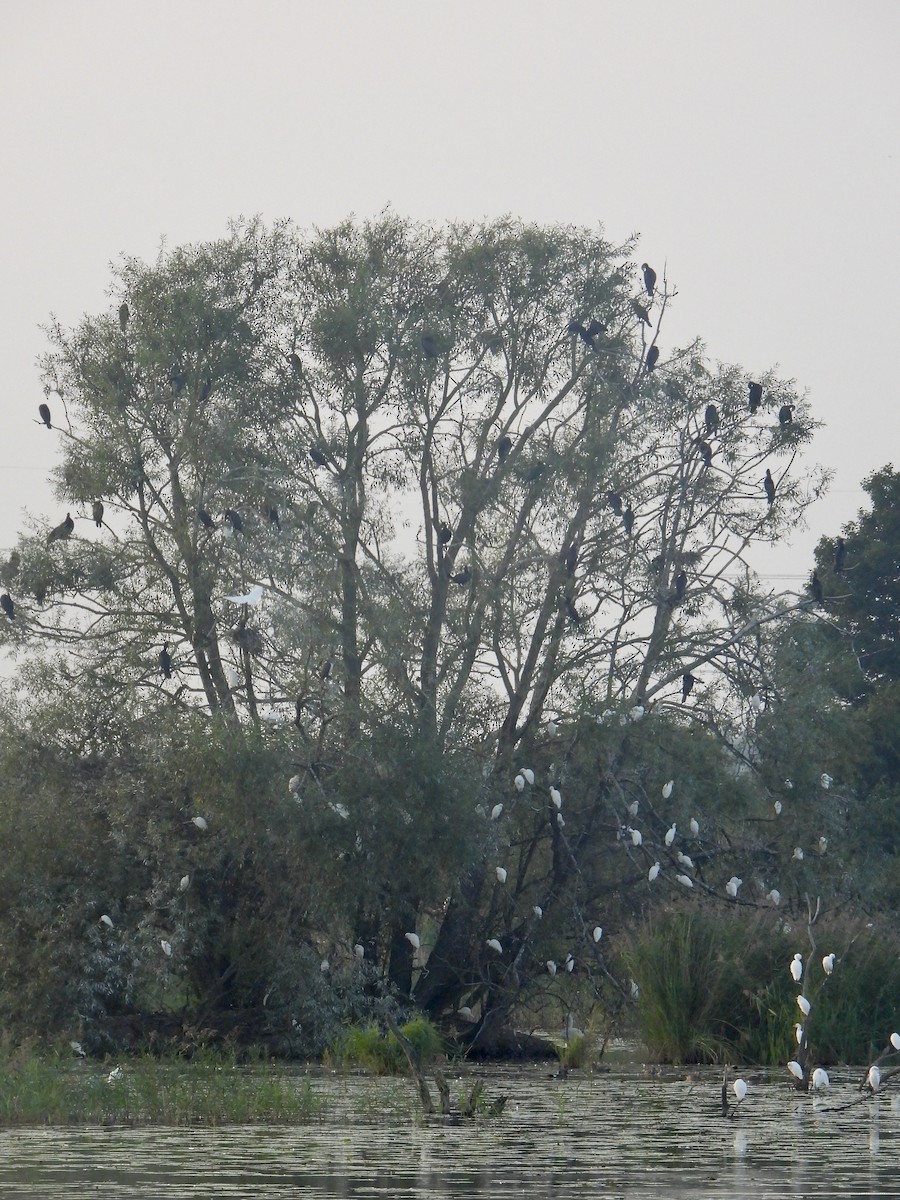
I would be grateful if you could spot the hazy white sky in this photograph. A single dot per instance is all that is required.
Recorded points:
(753, 145)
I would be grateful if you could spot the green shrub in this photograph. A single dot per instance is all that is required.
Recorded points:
(368, 1047)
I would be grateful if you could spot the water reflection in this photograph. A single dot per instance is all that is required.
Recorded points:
(621, 1135)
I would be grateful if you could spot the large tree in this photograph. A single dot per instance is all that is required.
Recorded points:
(485, 519)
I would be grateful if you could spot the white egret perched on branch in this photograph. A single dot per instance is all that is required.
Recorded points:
(520, 783)
(670, 834)
(106, 920)
(731, 887)
(633, 808)
(804, 1005)
(551, 966)
(795, 1069)
(796, 968)
(413, 939)
(798, 1033)
(556, 797)
(496, 811)
(500, 872)
(528, 774)
(636, 837)
(538, 911)
(495, 944)
(201, 823)
(667, 789)
(653, 872)
(598, 933)
(694, 827)
(798, 853)
(685, 881)
(873, 1079)
(895, 1040)
(828, 964)
(774, 896)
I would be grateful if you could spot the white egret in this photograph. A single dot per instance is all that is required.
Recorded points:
(757, 703)
(796, 968)
(598, 933)
(252, 597)
(795, 1069)
(519, 781)
(804, 1005)
(685, 881)
(695, 827)
(538, 911)
(496, 811)
(740, 1089)
(670, 835)
(495, 945)
(798, 1033)
(552, 728)
(570, 963)
(635, 990)
(414, 940)
(633, 808)
(685, 860)
(500, 872)
(774, 896)
(798, 853)
(778, 806)
(551, 966)
(324, 966)
(465, 1011)
(667, 789)
(653, 872)
(115, 1075)
(823, 844)
(166, 948)
(560, 820)
(184, 883)
(637, 712)
(731, 887)
(340, 809)
(107, 920)
(201, 823)
(873, 1079)
(360, 951)
(827, 781)
(556, 797)
(789, 784)
(820, 1078)
(78, 1050)
(636, 837)
(294, 784)
(895, 1040)
(529, 775)
(828, 964)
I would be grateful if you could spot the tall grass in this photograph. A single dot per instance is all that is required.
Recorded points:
(373, 1049)
(37, 1090)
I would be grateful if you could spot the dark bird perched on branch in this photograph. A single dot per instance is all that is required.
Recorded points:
(325, 670)
(680, 587)
(234, 520)
(595, 328)
(649, 279)
(503, 447)
(97, 513)
(705, 452)
(124, 314)
(178, 379)
(687, 684)
(769, 485)
(296, 363)
(10, 569)
(461, 577)
(628, 520)
(535, 471)
(652, 358)
(205, 519)
(571, 611)
(61, 532)
(587, 334)
(570, 558)
(640, 312)
(7, 605)
(44, 410)
(318, 455)
(445, 533)
(840, 555)
(165, 662)
(430, 346)
(786, 414)
(614, 500)
(815, 587)
(273, 517)
(755, 396)
(711, 417)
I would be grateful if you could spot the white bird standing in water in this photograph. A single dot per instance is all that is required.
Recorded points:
(873, 1079)
(795, 1069)
(820, 1078)
(740, 1089)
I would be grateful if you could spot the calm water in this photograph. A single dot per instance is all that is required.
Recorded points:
(623, 1134)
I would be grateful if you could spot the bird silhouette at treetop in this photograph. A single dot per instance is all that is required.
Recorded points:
(234, 520)
(815, 587)
(840, 556)
(205, 519)
(755, 395)
(640, 312)
(62, 531)
(786, 414)
(705, 452)
(649, 278)
(680, 582)
(7, 605)
(97, 513)
(318, 455)
(614, 500)
(124, 314)
(769, 485)
(44, 410)
(461, 577)
(165, 662)
(652, 359)
(503, 447)
(711, 419)
(687, 685)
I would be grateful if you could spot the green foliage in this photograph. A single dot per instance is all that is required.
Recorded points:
(378, 1051)
(36, 1090)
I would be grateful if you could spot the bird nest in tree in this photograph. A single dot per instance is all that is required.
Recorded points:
(248, 639)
